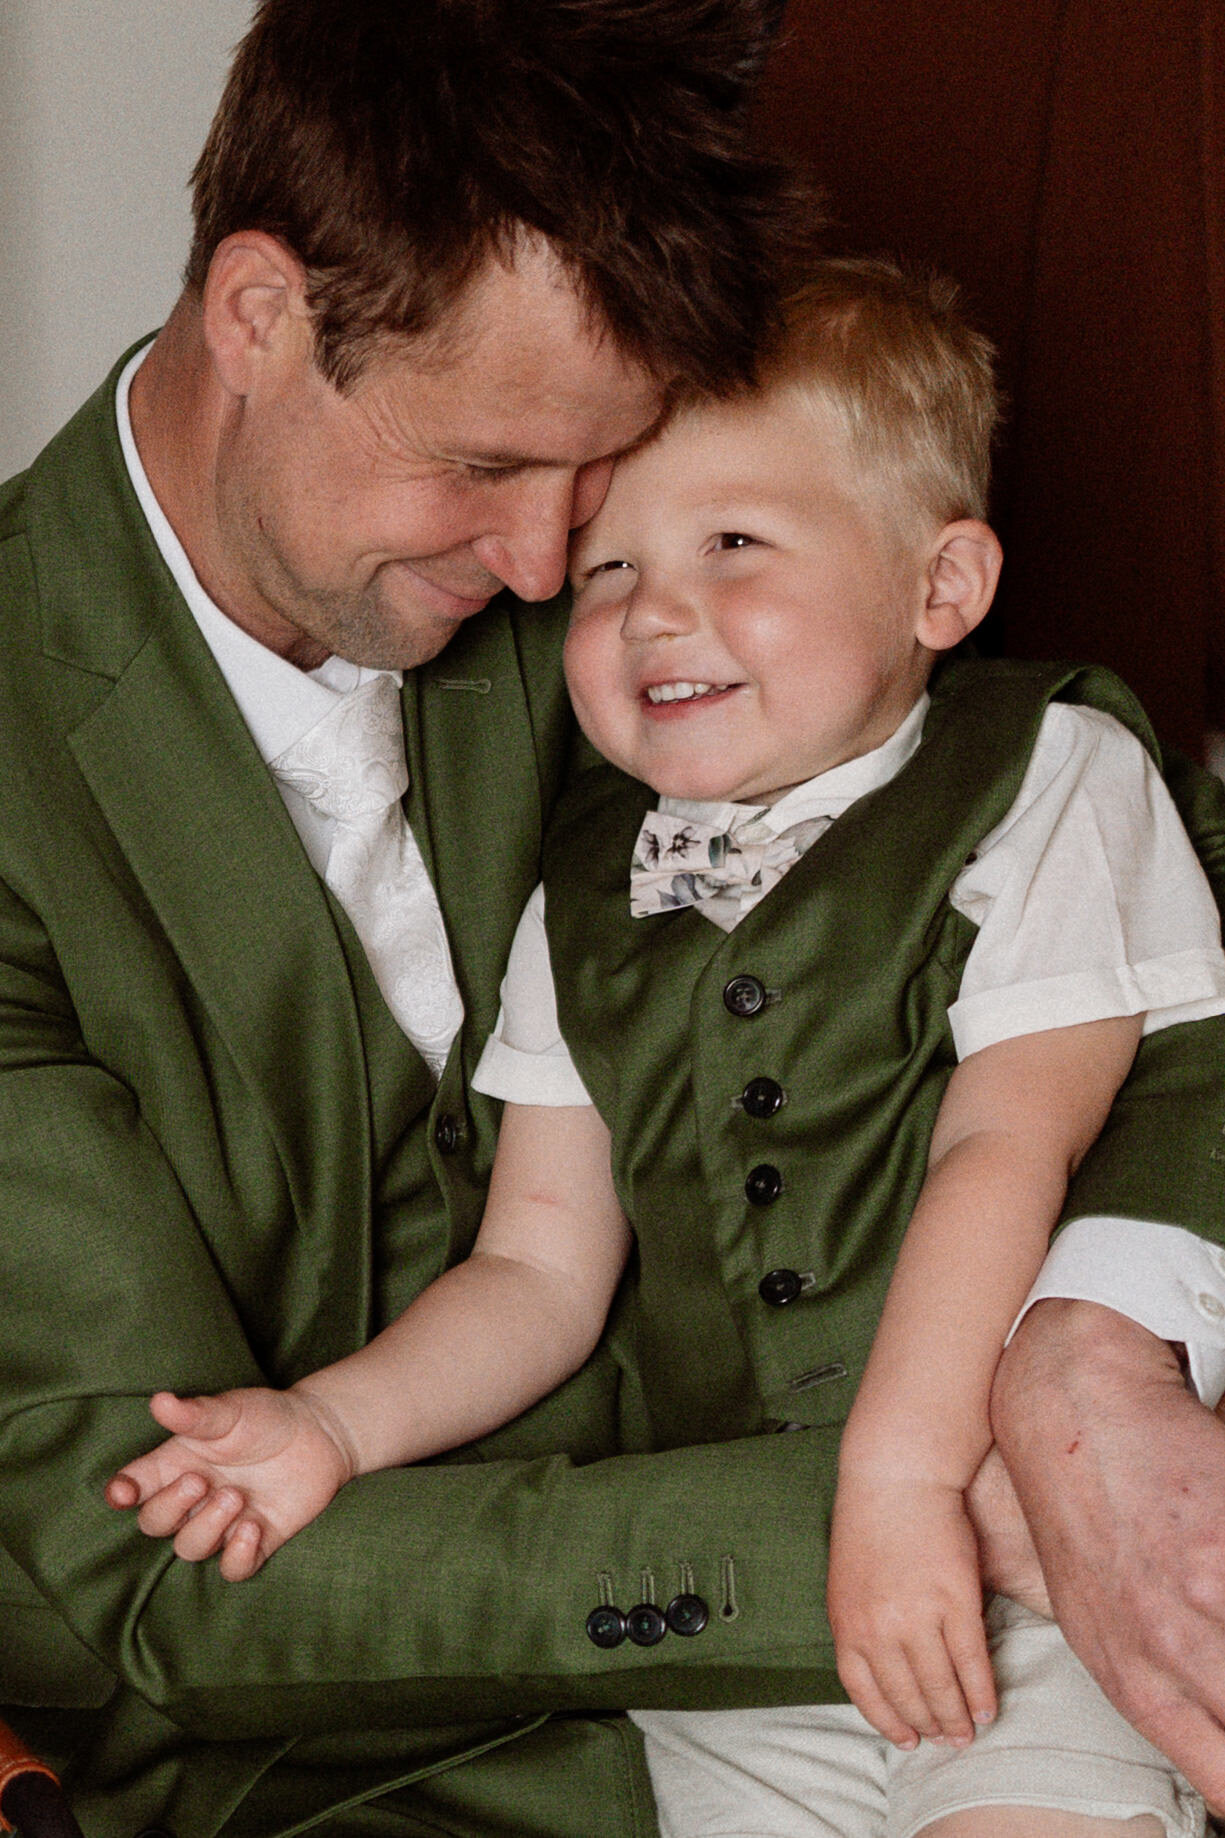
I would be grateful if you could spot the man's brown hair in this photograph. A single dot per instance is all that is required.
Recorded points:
(396, 145)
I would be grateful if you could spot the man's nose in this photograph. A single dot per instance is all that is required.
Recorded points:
(527, 547)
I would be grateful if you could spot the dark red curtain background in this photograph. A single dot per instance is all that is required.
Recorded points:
(1064, 160)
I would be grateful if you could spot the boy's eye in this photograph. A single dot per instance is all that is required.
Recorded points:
(608, 567)
(734, 539)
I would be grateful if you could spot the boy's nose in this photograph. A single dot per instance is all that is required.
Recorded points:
(657, 610)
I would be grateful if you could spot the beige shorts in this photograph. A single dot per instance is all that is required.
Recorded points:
(822, 1771)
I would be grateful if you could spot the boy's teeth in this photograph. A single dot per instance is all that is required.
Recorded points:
(679, 692)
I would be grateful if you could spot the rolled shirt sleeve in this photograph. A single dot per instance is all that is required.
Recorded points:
(525, 1060)
(1088, 898)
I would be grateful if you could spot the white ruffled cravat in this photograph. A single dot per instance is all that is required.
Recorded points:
(351, 767)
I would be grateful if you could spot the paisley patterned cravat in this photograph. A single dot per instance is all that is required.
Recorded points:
(351, 767)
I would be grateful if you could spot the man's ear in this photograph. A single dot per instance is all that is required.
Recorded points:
(962, 572)
(254, 309)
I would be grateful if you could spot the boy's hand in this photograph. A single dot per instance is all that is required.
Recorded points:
(905, 1604)
(241, 1473)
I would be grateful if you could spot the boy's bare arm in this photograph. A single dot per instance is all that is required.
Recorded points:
(519, 1315)
(905, 1596)
(1015, 1122)
(247, 1469)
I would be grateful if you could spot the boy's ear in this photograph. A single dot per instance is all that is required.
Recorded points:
(962, 572)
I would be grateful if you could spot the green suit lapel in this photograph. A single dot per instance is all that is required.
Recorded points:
(463, 710)
(174, 771)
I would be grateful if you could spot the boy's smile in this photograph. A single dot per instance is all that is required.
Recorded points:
(745, 614)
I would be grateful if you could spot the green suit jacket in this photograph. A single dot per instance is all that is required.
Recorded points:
(221, 1161)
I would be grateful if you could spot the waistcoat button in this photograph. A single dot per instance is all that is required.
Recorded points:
(606, 1627)
(763, 1186)
(446, 1134)
(744, 996)
(645, 1625)
(779, 1287)
(762, 1097)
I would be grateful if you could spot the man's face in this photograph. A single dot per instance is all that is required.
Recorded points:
(371, 524)
(744, 615)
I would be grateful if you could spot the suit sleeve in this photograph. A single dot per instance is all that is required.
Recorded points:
(429, 1594)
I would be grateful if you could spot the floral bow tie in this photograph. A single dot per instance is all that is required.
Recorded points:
(681, 861)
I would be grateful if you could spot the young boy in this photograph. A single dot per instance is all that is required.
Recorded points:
(884, 956)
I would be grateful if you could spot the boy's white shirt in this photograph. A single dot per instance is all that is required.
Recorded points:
(1094, 825)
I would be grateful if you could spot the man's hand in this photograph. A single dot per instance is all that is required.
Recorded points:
(242, 1472)
(1121, 1474)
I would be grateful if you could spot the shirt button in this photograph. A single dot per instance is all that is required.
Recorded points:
(606, 1627)
(687, 1615)
(779, 1287)
(645, 1625)
(744, 996)
(763, 1186)
(446, 1134)
(1211, 1305)
(762, 1097)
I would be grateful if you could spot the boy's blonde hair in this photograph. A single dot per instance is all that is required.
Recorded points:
(909, 383)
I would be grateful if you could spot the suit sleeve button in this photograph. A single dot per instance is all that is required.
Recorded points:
(687, 1615)
(744, 996)
(606, 1627)
(763, 1186)
(762, 1097)
(645, 1625)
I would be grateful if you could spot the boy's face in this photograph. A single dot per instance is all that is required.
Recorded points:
(744, 615)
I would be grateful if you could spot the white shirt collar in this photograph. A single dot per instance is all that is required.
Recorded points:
(827, 795)
(278, 702)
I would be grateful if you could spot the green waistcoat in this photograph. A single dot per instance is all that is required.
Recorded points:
(851, 965)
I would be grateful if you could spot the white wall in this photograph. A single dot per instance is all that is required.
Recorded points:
(104, 105)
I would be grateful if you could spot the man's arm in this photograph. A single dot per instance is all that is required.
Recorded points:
(1121, 1472)
(429, 1594)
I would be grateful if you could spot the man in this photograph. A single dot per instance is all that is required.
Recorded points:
(450, 260)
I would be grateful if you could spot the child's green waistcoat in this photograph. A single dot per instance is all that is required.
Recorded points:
(771, 1092)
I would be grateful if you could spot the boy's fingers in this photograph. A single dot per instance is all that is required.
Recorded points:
(934, 1673)
(861, 1687)
(122, 1491)
(897, 1679)
(968, 1649)
(242, 1554)
(164, 1511)
(202, 1534)
(206, 1418)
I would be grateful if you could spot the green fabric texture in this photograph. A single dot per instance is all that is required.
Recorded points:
(220, 1165)
(861, 955)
